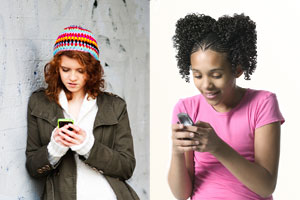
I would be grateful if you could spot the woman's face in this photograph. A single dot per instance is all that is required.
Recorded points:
(72, 74)
(213, 77)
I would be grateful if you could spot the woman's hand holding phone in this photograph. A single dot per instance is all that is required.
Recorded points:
(182, 139)
(69, 138)
(188, 136)
(206, 136)
(199, 137)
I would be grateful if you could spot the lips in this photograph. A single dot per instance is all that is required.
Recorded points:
(211, 95)
(72, 84)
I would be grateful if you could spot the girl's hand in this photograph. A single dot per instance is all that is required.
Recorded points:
(205, 135)
(71, 138)
(59, 139)
(182, 139)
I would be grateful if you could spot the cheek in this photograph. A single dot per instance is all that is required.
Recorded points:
(229, 84)
(227, 81)
(84, 78)
(62, 76)
(197, 82)
(221, 83)
(198, 85)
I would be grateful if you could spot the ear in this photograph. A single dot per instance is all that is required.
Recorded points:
(238, 72)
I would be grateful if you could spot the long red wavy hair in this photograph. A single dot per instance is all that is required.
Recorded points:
(95, 83)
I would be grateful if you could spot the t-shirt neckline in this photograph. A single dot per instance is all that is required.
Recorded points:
(233, 109)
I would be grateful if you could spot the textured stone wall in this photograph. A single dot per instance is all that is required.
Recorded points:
(28, 29)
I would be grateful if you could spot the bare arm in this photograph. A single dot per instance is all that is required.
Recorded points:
(181, 172)
(260, 176)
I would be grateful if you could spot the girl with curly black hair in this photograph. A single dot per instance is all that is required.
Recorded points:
(232, 150)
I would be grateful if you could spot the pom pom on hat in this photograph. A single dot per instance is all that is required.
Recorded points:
(76, 38)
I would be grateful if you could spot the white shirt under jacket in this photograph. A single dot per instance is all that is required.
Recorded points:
(90, 183)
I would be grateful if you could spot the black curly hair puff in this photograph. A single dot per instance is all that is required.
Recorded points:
(235, 36)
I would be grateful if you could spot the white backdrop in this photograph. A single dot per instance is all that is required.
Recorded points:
(277, 71)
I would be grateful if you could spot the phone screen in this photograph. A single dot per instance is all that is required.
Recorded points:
(63, 122)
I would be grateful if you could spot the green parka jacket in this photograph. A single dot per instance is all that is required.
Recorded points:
(111, 155)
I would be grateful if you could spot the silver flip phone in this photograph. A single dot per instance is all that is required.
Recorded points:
(185, 119)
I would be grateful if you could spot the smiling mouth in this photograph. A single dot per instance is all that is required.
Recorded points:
(211, 95)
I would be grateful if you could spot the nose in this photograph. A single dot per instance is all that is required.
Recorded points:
(73, 76)
(207, 84)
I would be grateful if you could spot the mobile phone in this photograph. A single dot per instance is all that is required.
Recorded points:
(185, 119)
(62, 122)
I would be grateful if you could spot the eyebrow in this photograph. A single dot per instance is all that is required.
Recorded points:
(213, 70)
(70, 67)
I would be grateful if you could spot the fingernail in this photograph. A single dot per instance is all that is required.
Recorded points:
(197, 142)
(192, 134)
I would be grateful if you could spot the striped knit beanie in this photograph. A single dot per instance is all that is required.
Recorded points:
(76, 38)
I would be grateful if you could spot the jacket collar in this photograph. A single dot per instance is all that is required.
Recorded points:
(47, 110)
(51, 111)
(105, 114)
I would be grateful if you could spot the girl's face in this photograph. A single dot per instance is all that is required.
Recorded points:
(214, 78)
(72, 74)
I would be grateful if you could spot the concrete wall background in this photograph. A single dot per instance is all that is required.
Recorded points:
(28, 30)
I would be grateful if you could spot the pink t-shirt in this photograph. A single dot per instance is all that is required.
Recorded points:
(236, 127)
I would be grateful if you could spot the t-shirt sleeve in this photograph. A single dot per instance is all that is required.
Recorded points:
(178, 108)
(268, 112)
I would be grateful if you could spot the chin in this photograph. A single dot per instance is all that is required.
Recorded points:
(72, 89)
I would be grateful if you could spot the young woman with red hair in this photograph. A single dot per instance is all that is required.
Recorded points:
(92, 158)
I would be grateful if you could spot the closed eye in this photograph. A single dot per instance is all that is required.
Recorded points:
(81, 71)
(216, 75)
(197, 76)
(65, 69)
